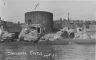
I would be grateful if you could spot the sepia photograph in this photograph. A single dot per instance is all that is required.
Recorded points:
(47, 29)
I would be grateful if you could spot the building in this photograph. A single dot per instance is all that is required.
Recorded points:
(40, 17)
(12, 27)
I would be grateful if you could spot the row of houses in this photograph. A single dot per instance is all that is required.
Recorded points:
(72, 24)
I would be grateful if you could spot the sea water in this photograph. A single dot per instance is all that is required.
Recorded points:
(47, 52)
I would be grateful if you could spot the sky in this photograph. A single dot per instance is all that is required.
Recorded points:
(14, 10)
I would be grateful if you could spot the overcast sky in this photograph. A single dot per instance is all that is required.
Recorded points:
(13, 10)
